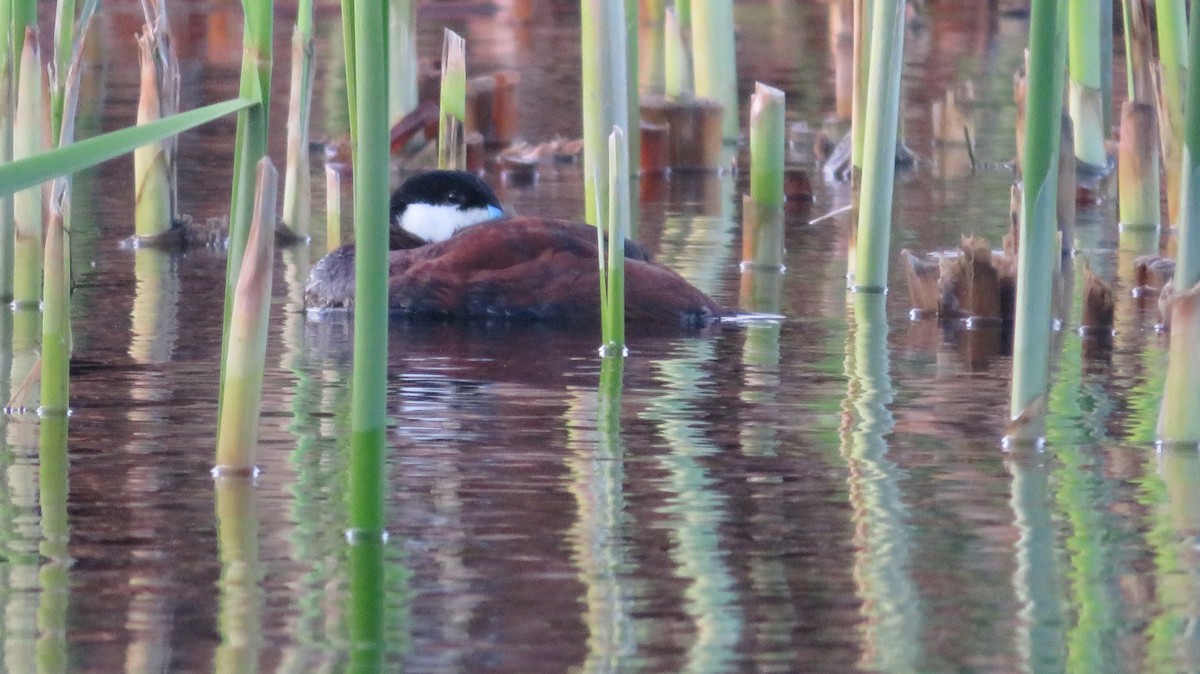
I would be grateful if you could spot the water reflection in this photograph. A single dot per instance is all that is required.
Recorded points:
(597, 474)
(694, 510)
(1174, 634)
(239, 620)
(54, 592)
(891, 605)
(1040, 632)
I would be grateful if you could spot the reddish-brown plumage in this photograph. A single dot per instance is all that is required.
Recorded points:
(533, 268)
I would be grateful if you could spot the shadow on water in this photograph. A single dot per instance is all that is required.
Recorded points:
(826, 493)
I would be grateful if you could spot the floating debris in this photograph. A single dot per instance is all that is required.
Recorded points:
(974, 282)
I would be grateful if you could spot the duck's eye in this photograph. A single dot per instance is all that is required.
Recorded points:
(456, 198)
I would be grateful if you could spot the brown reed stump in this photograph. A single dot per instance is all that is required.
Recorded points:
(1098, 305)
(505, 125)
(655, 148)
(476, 156)
(694, 131)
(481, 95)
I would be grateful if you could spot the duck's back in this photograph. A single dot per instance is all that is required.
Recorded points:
(534, 268)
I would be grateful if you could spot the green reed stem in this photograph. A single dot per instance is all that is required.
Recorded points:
(1085, 92)
(677, 60)
(1131, 53)
(1106, 65)
(452, 140)
(368, 415)
(402, 58)
(616, 225)
(862, 73)
(64, 36)
(1138, 52)
(1178, 420)
(1187, 269)
(333, 208)
(24, 15)
(683, 8)
(297, 184)
(250, 145)
(879, 149)
(715, 59)
(7, 96)
(56, 311)
(632, 93)
(351, 70)
(605, 95)
(245, 357)
(151, 173)
(1038, 252)
(767, 143)
(368, 606)
(652, 40)
(1172, 38)
(28, 204)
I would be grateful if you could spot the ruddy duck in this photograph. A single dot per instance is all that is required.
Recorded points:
(455, 256)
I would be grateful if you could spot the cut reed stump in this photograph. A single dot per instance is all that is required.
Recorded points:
(655, 148)
(1138, 174)
(694, 129)
(1098, 305)
(1152, 273)
(978, 284)
(492, 107)
(973, 283)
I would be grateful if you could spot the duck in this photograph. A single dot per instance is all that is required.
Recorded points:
(455, 255)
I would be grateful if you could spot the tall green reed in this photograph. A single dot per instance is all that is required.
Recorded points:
(1138, 173)
(452, 140)
(1172, 56)
(611, 231)
(368, 415)
(297, 184)
(861, 75)
(250, 141)
(1085, 95)
(250, 145)
(28, 203)
(402, 58)
(7, 71)
(605, 95)
(1178, 420)
(1039, 251)
(881, 122)
(715, 59)
(767, 144)
(241, 389)
(153, 210)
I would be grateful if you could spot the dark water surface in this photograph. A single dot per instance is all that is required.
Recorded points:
(826, 494)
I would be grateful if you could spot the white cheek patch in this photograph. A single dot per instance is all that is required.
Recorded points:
(438, 223)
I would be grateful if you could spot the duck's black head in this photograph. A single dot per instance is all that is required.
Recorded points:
(431, 206)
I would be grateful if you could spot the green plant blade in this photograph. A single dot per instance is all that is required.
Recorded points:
(25, 173)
